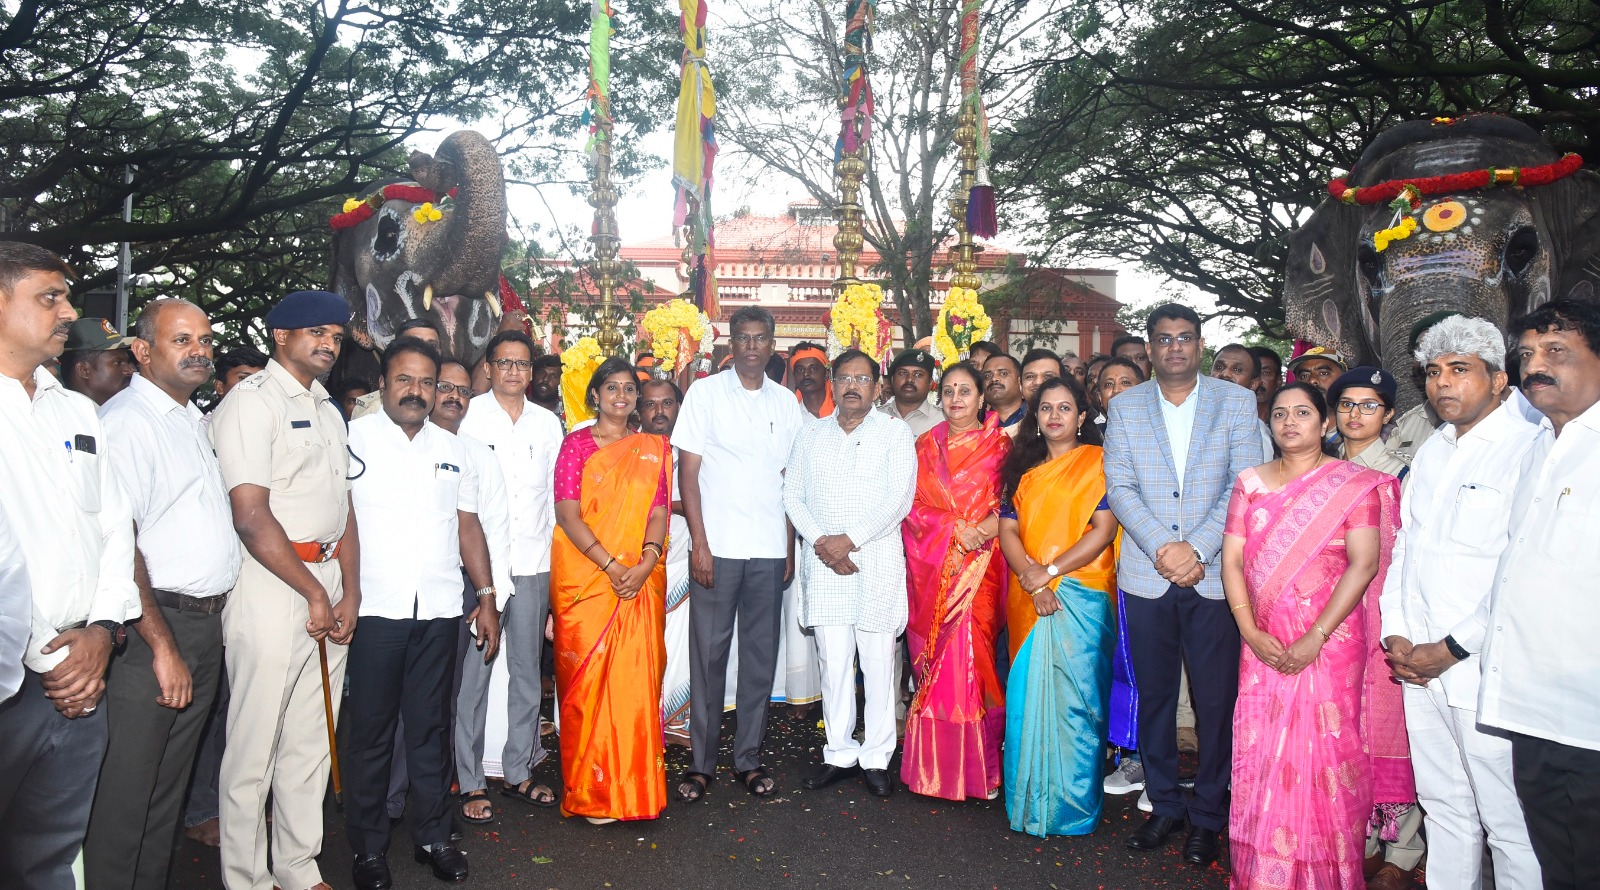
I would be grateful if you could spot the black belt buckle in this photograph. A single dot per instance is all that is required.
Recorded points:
(205, 605)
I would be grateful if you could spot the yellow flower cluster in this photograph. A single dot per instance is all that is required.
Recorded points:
(666, 323)
(1397, 232)
(857, 319)
(352, 203)
(427, 213)
(578, 363)
(961, 323)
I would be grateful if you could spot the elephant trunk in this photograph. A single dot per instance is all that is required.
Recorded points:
(1413, 298)
(457, 262)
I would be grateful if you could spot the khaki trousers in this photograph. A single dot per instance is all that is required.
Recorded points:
(277, 732)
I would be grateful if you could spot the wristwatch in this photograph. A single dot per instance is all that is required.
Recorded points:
(1455, 649)
(118, 632)
(1198, 556)
(487, 591)
(1051, 569)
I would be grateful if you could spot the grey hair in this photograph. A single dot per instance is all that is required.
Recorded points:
(1460, 335)
(144, 327)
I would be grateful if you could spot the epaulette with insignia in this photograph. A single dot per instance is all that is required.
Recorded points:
(254, 381)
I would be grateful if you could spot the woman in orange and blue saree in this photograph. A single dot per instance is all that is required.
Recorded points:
(955, 722)
(608, 602)
(1056, 530)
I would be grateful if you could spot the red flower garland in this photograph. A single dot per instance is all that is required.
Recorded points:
(1472, 180)
(399, 191)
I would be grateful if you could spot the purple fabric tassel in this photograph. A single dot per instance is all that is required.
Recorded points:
(980, 212)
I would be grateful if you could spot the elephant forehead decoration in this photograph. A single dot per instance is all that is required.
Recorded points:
(1478, 215)
(429, 249)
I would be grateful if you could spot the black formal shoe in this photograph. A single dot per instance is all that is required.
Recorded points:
(1201, 847)
(1154, 833)
(879, 782)
(448, 862)
(826, 776)
(371, 872)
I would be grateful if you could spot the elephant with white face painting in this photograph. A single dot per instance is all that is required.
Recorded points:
(427, 249)
(1478, 215)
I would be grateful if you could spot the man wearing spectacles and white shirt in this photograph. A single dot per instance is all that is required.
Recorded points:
(526, 438)
(75, 528)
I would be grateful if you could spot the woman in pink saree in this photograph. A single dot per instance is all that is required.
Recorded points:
(1319, 731)
(955, 724)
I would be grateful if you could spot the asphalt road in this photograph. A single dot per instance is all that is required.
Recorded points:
(840, 837)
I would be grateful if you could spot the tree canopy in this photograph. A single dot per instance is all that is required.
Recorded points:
(243, 123)
(1193, 135)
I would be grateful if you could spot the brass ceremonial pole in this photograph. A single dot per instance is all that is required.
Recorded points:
(603, 197)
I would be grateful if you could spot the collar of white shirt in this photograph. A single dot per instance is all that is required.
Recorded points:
(158, 398)
(1491, 428)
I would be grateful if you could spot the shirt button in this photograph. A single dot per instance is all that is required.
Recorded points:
(1174, 494)
(1495, 669)
(1174, 528)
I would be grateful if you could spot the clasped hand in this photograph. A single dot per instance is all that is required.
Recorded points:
(627, 580)
(834, 551)
(1417, 664)
(1177, 562)
(1288, 660)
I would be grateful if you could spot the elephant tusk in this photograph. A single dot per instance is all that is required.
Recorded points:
(493, 299)
(427, 297)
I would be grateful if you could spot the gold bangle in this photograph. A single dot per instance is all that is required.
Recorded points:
(1325, 635)
(1238, 607)
(608, 564)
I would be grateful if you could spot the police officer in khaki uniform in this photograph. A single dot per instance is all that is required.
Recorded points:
(280, 440)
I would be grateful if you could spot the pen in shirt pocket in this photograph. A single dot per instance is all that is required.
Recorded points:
(1563, 496)
(68, 443)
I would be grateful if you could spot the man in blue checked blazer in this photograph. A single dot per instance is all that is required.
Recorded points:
(1174, 446)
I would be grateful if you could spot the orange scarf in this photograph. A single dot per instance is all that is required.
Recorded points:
(827, 386)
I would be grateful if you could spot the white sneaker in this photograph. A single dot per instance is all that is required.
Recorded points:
(1127, 778)
(1144, 803)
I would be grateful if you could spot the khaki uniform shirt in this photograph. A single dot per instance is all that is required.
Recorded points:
(272, 432)
(1412, 429)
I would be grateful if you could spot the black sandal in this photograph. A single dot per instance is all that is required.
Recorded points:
(531, 796)
(472, 797)
(753, 778)
(692, 786)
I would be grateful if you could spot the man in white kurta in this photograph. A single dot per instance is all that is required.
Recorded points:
(1455, 515)
(849, 484)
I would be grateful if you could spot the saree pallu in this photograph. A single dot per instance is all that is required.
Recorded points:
(1311, 749)
(1059, 691)
(956, 721)
(609, 652)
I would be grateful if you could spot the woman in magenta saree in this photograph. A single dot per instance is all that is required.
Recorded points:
(957, 720)
(1319, 731)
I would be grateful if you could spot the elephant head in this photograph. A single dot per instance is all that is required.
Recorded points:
(1360, 275)
(403, 262)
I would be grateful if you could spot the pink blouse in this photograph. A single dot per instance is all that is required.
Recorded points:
(576, 449)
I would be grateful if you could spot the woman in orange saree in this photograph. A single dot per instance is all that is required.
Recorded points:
(608, 602)
(957, 719)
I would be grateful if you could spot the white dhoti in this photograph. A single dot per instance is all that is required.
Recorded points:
(798, 679)
(1464, 785)
(839, 648)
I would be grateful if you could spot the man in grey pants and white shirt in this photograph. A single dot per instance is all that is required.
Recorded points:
(526, 439)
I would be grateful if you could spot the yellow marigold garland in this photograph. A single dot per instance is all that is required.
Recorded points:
(856, 318)
(672, 324)
(578, 363)
(961, 323)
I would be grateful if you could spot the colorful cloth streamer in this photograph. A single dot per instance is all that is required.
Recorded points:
(694, 153)
(980, 201)
(599, 110)
(855, 116)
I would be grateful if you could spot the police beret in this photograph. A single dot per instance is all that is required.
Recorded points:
(920, 358)
(1367, 376)
(308, 309)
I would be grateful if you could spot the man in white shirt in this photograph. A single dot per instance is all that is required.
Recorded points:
(526, 439)
(848, 486)
(477, 656)
(16, 607)
(1002, 391)
(1454, 516)
(75, 529)
(1540, 661)
(416, 503)
(734, 435)
(911, 381)
(161, 687)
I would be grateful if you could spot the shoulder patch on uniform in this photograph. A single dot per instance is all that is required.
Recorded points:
(254, 381)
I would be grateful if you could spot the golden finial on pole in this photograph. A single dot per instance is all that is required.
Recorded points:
(965, 252)
(848, 241)
(603, 197)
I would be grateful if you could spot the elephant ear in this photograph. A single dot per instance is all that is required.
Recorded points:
(1575, 275)
(1320, 301)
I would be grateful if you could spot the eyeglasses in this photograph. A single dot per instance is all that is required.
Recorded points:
(450, 388)
(506, 364)
(1370, 406)
(857, 379)
(752, 339)
(1166, 341)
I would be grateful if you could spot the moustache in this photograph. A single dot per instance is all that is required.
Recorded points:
(451, 403)
(414, 401)
(1541, 379)
(327, 352)
(63, 329)
(197, 361)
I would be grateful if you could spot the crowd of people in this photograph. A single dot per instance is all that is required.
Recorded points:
(1051, 576)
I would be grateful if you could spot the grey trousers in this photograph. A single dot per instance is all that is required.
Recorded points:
(49, 766)
(133, 826)
(202, 805)
(751, 592)
(522, 645)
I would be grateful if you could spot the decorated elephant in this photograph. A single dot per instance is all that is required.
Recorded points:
(1478, 215)
(427, 249)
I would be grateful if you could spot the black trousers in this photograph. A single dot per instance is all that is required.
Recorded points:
(49, 766)
(398, 666)
(133, 827)
(1559, 786)
(1163, 633)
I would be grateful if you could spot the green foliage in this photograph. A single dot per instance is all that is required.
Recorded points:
(1193, 135)
(245, 124)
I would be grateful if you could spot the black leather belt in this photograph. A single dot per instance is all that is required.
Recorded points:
(206, 605)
